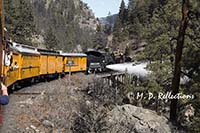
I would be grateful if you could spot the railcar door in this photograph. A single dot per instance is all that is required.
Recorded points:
(12, 68)
(59, 64)
(51, 64)
(43, 64)
(30, 66)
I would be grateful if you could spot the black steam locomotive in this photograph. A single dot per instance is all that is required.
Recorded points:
(97, 61)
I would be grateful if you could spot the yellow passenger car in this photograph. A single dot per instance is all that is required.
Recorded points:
(23, 64)
(50, 62)
(74, 62)
(11, 71)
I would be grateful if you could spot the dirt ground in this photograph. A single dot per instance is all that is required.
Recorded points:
(82, 104)
(51, 108)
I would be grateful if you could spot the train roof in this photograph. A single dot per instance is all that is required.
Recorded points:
(48, 52)
(94, 53)
(32, 50)
(24, 48)
(74, 54)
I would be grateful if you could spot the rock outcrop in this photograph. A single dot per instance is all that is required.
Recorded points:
(129, 118)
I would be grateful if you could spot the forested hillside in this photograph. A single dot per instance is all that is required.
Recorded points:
(62, 24)
(157, 23)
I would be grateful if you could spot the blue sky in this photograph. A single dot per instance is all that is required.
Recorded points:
(102, 7)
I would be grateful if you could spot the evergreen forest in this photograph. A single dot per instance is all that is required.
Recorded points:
(170, 30)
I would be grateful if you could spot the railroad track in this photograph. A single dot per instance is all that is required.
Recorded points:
(98, 75)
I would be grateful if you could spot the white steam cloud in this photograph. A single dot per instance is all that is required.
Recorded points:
(137, 69)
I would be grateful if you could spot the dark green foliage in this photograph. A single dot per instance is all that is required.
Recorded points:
(162, 39)
(27, 18)
(137, 16)
(19, 20)
(123, 14)
(50, 39)
(157, 23)
(99, 40)
(117, 27)
(119, 31)
(63, 16)
(109, 25)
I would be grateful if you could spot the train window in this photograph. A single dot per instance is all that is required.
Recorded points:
(8, 58)
(70, 63)
(75, 60)
(15, 65)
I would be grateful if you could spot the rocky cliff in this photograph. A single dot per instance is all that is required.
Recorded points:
(68, 24)
(71, 22)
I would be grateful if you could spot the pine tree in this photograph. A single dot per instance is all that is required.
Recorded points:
(131, 7)
(19, 20)
(123, 12)
(162, 36)
(178, 58)
(158, 22)
(109, 25)
(98, 38)
(117, 30)
(8, 12)
(50, 39)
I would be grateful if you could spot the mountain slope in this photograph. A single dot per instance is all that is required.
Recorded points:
(71, 22)
(104, 20)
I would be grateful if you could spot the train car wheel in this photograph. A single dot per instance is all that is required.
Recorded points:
(57, 76)
(62, 74)
(13, 87)
(89, 71)
(32, 80)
